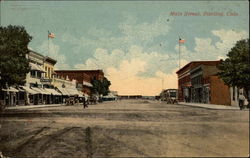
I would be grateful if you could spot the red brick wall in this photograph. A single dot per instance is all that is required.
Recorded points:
(80, 75)
(220, 93)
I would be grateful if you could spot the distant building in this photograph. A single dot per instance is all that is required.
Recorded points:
(198, 82)
(130, 96)
(83, 77)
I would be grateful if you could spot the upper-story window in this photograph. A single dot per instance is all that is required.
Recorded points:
(49, 72)
(39, 74)
(33, 73)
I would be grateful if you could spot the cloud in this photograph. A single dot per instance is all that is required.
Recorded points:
(131, 31)
(133, 61)
(133, 72)
(205, 49)
(54, 52)
(144, 32)
(228, 38)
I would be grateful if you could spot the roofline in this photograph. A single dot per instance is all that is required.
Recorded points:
(196, 62)
(49, 58)
(45, 57)
(36, 52)
(79, 70)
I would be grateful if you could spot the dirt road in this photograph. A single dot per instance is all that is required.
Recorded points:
(126, 128)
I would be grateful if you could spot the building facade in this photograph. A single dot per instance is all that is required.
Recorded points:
(42, 85)
(39, 87)
(198, 82)
(83, 78)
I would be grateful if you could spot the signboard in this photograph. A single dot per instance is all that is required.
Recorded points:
(46, 80)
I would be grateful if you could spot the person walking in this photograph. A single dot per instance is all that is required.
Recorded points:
(85, 102)
(241, 100)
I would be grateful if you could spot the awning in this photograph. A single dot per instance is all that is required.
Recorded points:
(85, 83)
(36, 67)
(63, 91)
(45, 91)
(52, 91)
(80, 94)
(38, 90)
(20, 89)
(72, 91)
(28, 90)
(10, 89)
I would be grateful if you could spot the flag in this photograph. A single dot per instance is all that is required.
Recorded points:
(51, 35)
(181, 40)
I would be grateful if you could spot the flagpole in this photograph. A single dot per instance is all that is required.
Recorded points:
(48, 42)
(179, 54)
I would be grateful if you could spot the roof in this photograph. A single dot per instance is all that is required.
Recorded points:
(79, 70)
(200, 63)
(36, 53)
(50, 60)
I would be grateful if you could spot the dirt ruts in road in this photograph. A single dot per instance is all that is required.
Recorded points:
(28, 141)
(88, 143)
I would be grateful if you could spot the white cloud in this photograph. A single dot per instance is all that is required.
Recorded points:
(228, 38)
(125, 70)
(133, 69)
(54, 53)
(206, 50)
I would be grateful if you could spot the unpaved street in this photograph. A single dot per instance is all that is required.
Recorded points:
(126, 128)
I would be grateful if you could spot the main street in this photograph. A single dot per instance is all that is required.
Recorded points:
(124, 128)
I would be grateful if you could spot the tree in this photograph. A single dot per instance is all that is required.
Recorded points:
(14, 65)
(100, 86)
(235, 70)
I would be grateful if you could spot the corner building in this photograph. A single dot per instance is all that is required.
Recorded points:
(198, 82)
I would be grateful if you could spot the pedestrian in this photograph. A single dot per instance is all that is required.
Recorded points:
(85, 102)
(241, 100)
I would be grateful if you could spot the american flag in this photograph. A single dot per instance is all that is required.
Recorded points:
(51, 35)
(181, 40)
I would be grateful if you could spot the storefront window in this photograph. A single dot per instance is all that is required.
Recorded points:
(21, 95)
(1, 95)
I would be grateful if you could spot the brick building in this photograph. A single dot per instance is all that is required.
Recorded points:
(198, 82)
(83, 77)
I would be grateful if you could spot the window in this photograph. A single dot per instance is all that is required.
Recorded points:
(39, 74)
(48, 72)
(33, 73)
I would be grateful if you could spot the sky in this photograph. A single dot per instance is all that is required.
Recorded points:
(135, 43)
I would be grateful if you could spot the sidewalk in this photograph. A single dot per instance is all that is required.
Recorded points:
(33, 106)
(211, 106)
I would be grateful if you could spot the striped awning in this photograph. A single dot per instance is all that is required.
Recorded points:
(10, 89)
(38, 90)
(29, 90)
(63, 91)
(52, 91)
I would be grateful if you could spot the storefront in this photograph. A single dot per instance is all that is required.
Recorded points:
(9, 96)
